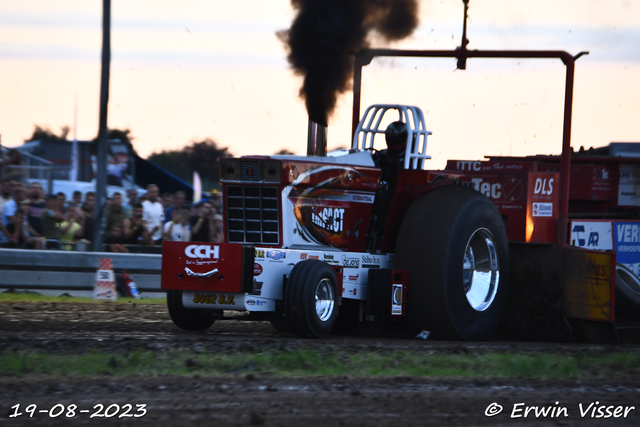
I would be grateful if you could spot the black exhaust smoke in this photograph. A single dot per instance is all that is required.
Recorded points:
(326, 34)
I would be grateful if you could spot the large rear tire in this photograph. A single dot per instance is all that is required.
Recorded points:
(627, 293)
(453, 241)
(189, 319)
(311, 299)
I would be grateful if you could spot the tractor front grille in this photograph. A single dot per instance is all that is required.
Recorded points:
(250, 170)
(253, 214)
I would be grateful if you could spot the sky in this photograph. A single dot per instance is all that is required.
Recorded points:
(182, 71)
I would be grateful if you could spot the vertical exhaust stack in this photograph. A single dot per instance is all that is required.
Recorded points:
(317, 139)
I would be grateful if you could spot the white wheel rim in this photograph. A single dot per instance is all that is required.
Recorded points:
(481, 270)
(324, 300)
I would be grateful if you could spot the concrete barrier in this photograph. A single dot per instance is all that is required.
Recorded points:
(73, 271)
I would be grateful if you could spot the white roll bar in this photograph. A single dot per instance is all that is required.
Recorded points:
(369, 127)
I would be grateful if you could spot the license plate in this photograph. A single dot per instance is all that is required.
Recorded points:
(223, 301)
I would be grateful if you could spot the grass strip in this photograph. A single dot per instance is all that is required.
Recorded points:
(9, 297)
(622, 365)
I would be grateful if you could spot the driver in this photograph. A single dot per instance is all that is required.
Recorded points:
(392, 159)
(389, 161)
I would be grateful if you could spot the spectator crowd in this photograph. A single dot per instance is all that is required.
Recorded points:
(33, 220)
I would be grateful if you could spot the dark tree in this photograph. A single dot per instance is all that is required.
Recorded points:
(284, 151)
(201, 156)
(122, 135)
(40, 133)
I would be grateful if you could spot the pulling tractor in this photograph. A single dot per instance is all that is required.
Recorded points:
(502, 245)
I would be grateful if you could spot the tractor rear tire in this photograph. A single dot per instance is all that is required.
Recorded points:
(454, 244)
(627, 293)
(311, 299)
(189, 319)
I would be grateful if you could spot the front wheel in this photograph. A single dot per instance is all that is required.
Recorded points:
(189, 319)
(453, 241)
(311, 299)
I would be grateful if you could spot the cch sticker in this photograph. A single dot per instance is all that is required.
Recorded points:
(202, 251)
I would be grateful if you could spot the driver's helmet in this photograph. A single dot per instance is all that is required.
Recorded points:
(396, 136)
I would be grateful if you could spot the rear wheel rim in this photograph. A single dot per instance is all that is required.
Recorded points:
(324, 299)
(624, 274)
(481, 270)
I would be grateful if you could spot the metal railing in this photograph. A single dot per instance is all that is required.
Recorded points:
(73, 271)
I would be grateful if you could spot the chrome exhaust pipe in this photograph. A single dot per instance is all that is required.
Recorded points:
(317, 139)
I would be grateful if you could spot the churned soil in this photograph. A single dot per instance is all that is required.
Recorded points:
(264, 399)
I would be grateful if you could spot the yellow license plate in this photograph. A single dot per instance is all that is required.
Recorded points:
(221, 299)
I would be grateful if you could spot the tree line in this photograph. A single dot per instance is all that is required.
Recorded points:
(200, 156)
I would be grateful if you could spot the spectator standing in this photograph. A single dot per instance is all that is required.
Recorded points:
(62, 199)
(167, 202)
(6, 188)
(89, 204)
(36, 206)
(5, 192)
(50, 220)
(135, 229)
(153, 214)
(115, 212)
(178, 204)
(77, 197)
(202, 224)
(88, 208)
(115, 239)
(132, 198)
(72, 227)
(178, 228)
(13, 205)
(217, 235)
(168, 226)
(216, 200)
(16, 236)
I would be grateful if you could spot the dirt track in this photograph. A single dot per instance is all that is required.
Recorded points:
(248, 399)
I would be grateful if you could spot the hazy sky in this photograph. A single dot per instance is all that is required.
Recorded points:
(185, 70)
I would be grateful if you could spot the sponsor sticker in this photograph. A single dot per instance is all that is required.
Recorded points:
(276, 255)
(627, 244)
(543, 209)
(330, 219)
(257, 269)
(257, 286)
(396, 300)
(350, 262)
(371, 260)
(362, 198)
(592, 235)
(629, 185)
(202, 251)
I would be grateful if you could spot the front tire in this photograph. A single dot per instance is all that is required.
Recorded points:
(189, 319)
(311, 299)
(453, 241)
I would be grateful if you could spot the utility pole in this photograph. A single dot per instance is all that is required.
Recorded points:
(101, 181)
